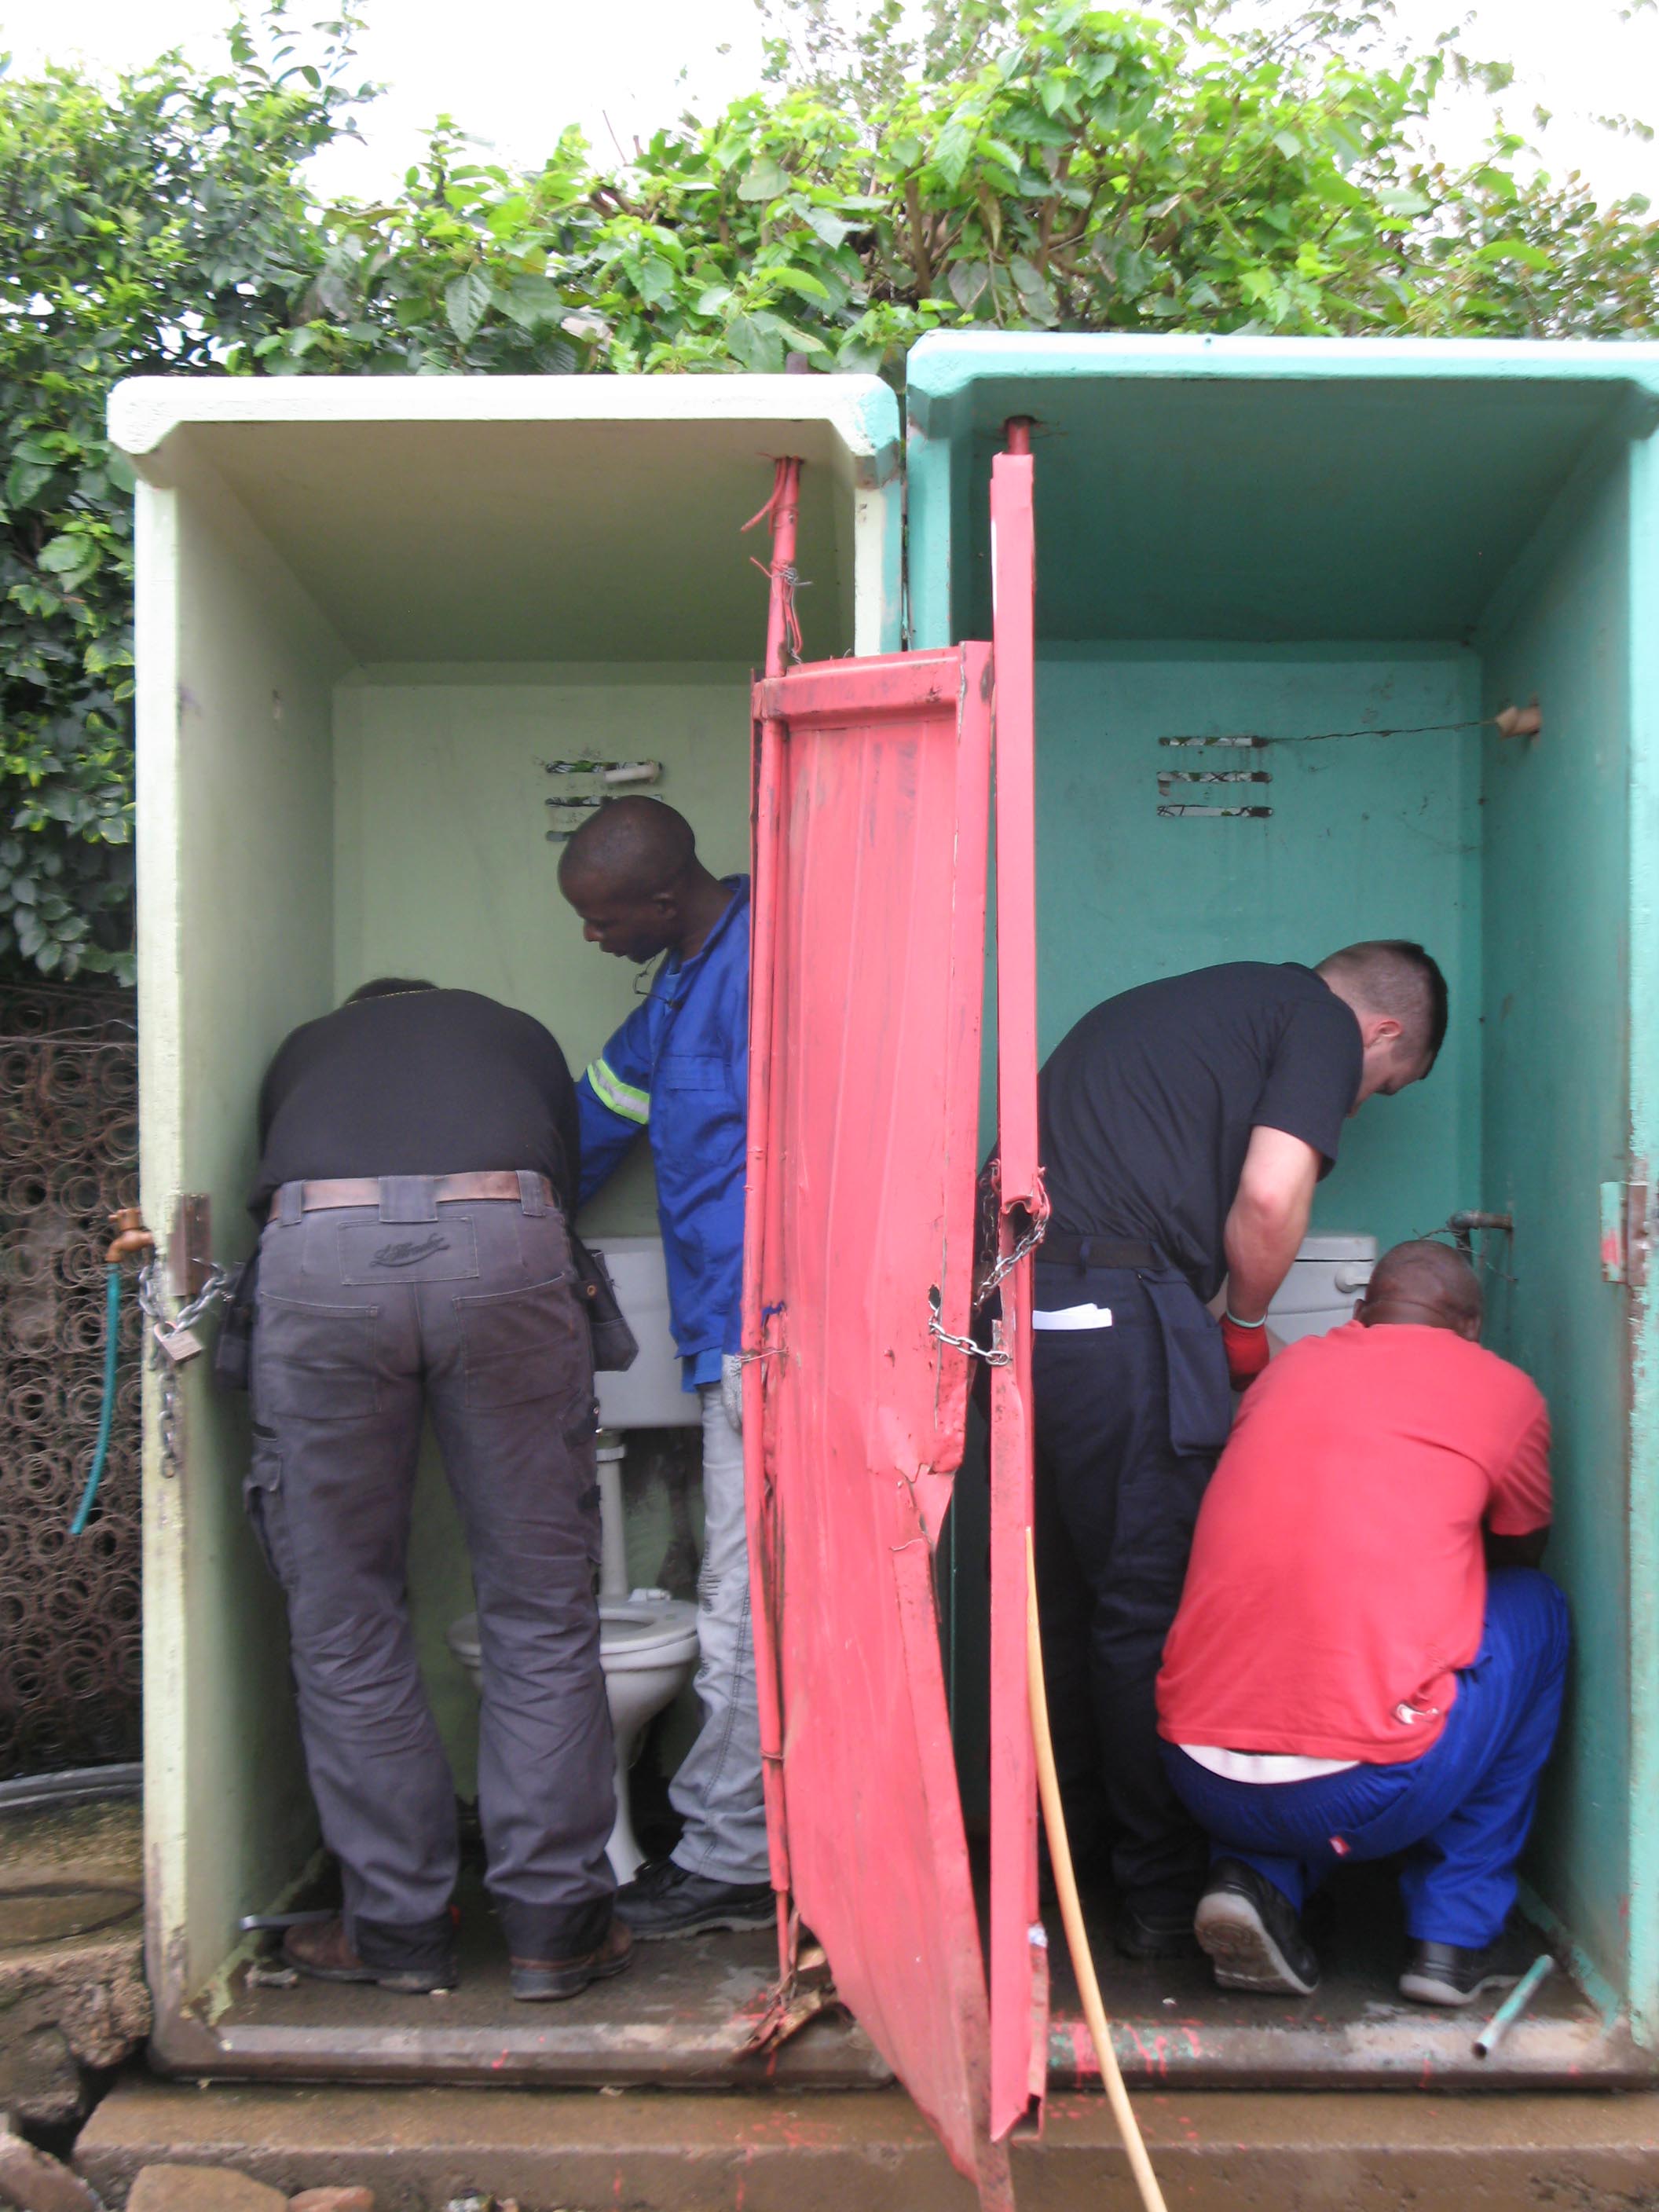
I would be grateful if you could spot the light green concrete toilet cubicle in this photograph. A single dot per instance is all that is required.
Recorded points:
(1355, 554)
(370, 611)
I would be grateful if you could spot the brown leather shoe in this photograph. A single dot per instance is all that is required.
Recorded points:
(537, 1981)
(324, 1950)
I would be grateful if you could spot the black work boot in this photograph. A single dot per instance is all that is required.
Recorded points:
(1251, 1932)
(541, 1981)
(1154, 1930)
(324, 1950)
(1451, 1974)
(663, 1899)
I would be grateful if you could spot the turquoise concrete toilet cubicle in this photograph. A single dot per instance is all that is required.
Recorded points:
(375, 617)
(1348, 557)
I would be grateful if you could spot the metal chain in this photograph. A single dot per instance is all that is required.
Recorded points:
(152, 1302)
(997, 1356)
(1010, 1259)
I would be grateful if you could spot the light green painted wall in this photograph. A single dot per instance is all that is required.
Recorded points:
(235, 741)
(442, 868)
(1557, 978)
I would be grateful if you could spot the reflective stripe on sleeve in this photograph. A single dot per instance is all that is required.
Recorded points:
(623, 1098)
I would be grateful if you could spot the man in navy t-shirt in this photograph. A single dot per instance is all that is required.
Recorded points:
(1184, 1126)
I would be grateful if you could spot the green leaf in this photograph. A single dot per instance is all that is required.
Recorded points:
(1515, 249)
(466, 301)
(968, 280)
(765, 179)
(24, 480)
(68, 557)
(759, 349)
(953, 152)
(830, 228)
(656, 279)
(713, 299)
(1407, 204)
(795, 280)
(531, 301)
(1035, 295)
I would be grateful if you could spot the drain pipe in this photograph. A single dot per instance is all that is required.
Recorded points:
(611, 1449)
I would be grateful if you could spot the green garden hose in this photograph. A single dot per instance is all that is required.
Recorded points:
(112, 1347)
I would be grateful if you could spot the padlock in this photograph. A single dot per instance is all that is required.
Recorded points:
(179, 1345)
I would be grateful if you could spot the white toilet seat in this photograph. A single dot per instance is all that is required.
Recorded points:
(638, 1632)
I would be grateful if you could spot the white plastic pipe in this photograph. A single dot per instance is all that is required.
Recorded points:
(613, 1538)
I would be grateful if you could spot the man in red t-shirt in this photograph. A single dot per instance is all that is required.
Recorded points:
(1344, 1679)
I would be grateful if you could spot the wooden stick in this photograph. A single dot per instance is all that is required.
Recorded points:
(1070, 1911)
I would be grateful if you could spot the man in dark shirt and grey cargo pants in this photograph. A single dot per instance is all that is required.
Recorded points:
(419, 1156)
(1183, 1126)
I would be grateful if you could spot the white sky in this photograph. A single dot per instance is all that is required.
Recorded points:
(513, 72)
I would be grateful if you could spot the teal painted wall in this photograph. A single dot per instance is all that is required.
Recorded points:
(1263, 490)
(1368, 836)
(1555, 1119)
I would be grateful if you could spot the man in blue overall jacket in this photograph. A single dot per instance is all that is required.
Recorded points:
(678, 1068)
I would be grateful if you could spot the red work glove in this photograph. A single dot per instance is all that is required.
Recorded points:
(1246, 1349)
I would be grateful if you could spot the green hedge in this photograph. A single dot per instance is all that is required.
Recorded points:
(1061, 168)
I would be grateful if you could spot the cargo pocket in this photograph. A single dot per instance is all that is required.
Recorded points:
(316, 1363)
(1195, 1360)
(519, 1345)
(262, 1493)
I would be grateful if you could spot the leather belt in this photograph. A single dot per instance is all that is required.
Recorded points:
(1062, 1250)
(365, 1190)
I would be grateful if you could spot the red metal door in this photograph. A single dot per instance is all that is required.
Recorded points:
(871, 802)
(1019, 1946)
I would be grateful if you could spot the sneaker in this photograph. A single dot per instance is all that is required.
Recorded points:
(323, 1950)
(1448, 1974)
(665, 1899)
(1154, 1932)
(1251, 1932)
(543, 1981)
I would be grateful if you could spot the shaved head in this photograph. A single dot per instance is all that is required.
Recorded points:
(1427, 1283)
(632, 848)
(632, 874)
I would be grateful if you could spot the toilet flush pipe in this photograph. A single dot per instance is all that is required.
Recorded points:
(613, 1538)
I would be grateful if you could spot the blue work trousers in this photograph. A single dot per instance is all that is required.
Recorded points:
(1460, 1813)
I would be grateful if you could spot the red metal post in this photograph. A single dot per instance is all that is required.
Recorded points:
(761, 1334)
(1019, 1957)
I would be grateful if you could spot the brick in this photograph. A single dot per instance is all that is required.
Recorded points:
(35, 2183)
(201, 2189)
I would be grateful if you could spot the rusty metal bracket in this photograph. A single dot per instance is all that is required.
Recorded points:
(189, 1247)
(1626, 1227)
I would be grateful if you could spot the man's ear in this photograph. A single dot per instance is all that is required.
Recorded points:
(1469, 1327)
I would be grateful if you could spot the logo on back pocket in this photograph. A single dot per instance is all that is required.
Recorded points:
(410, 1255)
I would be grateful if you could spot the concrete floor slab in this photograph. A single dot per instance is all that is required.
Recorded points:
(660, 2151)
(681, 2017)
(72, 1992)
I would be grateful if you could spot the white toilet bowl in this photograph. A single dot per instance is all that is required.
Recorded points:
(649, 1650)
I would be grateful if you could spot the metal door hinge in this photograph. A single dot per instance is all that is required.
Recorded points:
(189, 1248)
(1626, 1227)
